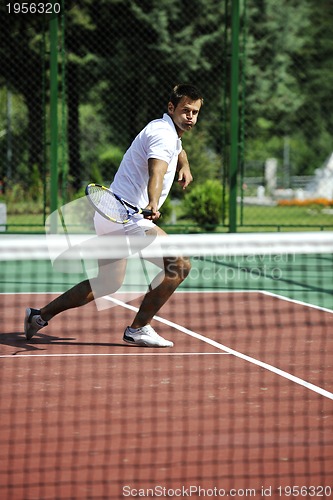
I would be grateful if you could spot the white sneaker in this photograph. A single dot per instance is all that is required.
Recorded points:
(146, 337)
(32, 322)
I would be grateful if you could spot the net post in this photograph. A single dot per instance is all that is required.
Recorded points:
(234, 125)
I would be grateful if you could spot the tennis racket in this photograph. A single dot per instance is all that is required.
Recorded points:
(111, 206)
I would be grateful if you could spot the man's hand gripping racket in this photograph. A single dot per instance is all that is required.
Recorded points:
(111, 206)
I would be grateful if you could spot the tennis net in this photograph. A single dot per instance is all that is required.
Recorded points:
(240, 406)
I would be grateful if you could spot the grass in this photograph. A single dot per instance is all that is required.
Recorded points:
(266, 218)
(25, 223)
(299, 216)
(250, 218)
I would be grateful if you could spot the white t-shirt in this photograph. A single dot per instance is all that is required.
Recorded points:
(159, 139)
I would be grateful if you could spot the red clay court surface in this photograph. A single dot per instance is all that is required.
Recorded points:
(85, 416)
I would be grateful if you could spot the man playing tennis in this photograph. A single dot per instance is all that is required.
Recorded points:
(144, 178)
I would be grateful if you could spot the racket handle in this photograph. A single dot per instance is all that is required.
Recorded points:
(146, 212)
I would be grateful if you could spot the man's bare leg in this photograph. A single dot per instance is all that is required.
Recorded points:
(176, 270)
(163, 286)
(110, 277)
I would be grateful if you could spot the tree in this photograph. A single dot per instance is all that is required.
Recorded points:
(289, 56)
(21, 69)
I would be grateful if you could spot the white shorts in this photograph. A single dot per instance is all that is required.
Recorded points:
(136, 226)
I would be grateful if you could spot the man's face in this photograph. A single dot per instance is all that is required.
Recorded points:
(185, 115)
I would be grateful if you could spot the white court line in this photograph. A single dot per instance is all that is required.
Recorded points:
(294, 301)
(228, 350)
(271, 368)
(119, 354)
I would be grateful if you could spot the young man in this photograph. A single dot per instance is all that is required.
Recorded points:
(144, 178)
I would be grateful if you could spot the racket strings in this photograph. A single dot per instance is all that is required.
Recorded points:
(108, 204)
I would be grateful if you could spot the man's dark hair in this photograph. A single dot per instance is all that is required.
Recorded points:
(185, 90)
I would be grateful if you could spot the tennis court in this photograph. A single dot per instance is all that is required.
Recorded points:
(241, 406)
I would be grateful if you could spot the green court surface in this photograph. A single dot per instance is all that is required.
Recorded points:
(304, 278)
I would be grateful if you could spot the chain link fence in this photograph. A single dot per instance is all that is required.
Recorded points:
(76, 87)
(22, 118)
(286, 172)
(123, 58)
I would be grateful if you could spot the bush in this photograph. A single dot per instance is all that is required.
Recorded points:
(105, 167)
(25, 196)
(204, 204)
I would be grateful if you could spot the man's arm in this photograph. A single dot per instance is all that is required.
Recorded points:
(157, 170)
(183, 169)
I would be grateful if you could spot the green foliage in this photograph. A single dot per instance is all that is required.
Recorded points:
(289, 54)
(205, 163)
(107, 164)
(94, 133)
(166, 211)
(204, 204)
(35, 189)
(21, 201)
